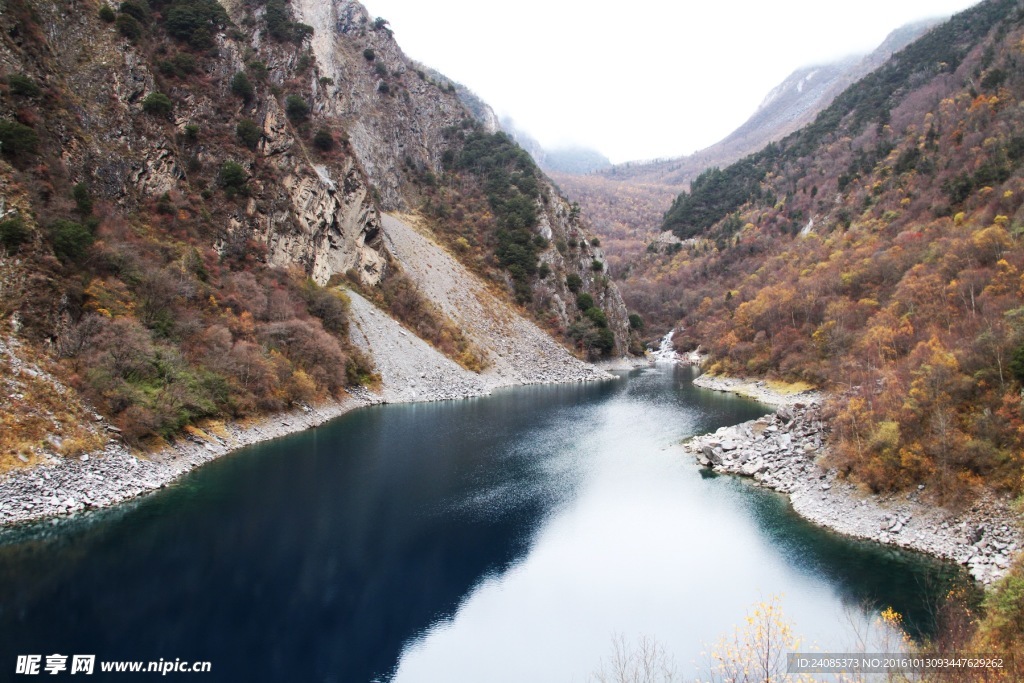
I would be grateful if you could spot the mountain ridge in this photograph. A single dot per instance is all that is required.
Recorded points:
(189, 190)
(791, 104)
(627, 202)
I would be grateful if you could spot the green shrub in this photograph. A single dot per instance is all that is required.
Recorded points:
(248, 133)
(584, 301)
(138, 10)
(595, 242)
(369, 55)
(17, 140)
(278, 20)
(596, 341)
(1004, 608)
(257, 68)
(1017, 363)
(165, 206)
(359, 370)
(296, 108)
(323, 140)
(71, 240)
(280, 25)
(596, 265)
(166, 67)
(83, 199)
(107, 14)
(181, 65)
(636, 322)
(242, 86)
(13, 234)
(196, 21)
(605, 341)
(22, 85)
(596, 316)
(573, 282)
(510, 180)
(157, 104)
(129, 27)
(185, 63)
(330, 305)
(233, 178)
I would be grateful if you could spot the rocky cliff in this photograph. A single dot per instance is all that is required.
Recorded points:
(195, 179)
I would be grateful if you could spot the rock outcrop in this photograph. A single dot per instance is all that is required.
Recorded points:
(395, 116)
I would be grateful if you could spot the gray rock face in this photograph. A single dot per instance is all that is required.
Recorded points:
(519, 352)
(385, 129)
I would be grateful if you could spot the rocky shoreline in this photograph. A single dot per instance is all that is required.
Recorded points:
(783, 452)
(69, 486)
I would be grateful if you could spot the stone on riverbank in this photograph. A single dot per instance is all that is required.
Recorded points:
(784, 452)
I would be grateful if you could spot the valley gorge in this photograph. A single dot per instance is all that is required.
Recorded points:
(255, 232)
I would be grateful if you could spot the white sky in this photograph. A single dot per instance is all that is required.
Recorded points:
(639, 79)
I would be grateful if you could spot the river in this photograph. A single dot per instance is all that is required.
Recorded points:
(506, 538)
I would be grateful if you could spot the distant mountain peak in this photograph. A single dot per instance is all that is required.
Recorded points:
(791, 104)
(572, 159)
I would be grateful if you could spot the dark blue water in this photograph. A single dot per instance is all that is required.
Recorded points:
(493, 539)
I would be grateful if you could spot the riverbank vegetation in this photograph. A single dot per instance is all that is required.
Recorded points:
(878, 253)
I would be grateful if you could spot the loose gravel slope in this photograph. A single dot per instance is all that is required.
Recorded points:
(410, 369)
(519, 352)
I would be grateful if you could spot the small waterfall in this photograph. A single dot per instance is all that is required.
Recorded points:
(666, 350)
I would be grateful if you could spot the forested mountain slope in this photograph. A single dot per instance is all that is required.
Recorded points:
(188, 188)
(626, 203)
(878, 252)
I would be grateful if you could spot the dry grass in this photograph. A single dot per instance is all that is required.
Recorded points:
(216, 428)
(197, 433)
(788, 388)
(39, 415)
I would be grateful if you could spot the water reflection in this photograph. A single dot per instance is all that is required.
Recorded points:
(647, 545)
(489, 539)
